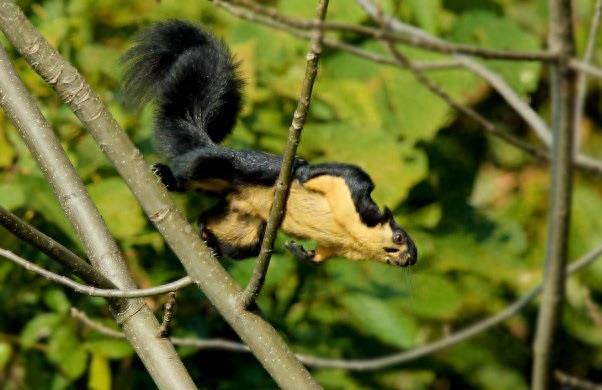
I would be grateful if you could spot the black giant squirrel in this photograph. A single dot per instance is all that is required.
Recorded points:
(195, 84)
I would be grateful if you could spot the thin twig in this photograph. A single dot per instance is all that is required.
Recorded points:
(583, 162)
(522, 108)
(434, 88)
(582, 76)
(575, 383)
(251, 16)
(217, 285)
(53, 249)
(220, 344)
(94, 291)
(285, 176)
(160, 358)
(168, 309)
(406, 37)
(563, 83)
(382, 362)
(582, 67)
(592, 309)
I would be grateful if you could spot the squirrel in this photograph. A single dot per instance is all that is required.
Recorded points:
(194, 81)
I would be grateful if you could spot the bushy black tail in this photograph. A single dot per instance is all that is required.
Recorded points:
(192, 77)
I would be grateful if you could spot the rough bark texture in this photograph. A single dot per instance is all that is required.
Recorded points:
(138, 322)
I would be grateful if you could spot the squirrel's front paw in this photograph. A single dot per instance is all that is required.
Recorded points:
(164, 173)
(301, 253)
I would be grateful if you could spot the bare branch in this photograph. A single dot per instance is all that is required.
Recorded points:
(249, 15)
(53, 249)
(521, 107)
(583, 67)
(283, 182)
(434, 88)
(406, 37)
(563, 84)
(205, 270)
(159, 358)
(167, 315)
(575, 383)
(582, 76)
(94, 291)
(221, 344)
(592, 309)
(541, 129)
(383, 362)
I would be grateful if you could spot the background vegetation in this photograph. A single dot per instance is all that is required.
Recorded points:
(475, 206)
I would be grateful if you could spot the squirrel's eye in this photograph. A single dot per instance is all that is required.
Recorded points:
(398, 238)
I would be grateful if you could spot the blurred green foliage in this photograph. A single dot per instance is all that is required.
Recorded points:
(476, 207)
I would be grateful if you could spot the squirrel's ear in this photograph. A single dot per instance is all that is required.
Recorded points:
(387, 214)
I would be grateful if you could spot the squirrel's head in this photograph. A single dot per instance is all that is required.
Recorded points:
(398, 249)
(386, 242)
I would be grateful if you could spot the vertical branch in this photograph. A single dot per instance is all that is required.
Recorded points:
(284, 178)
(560, 40)
(139, 324)
(582, 76)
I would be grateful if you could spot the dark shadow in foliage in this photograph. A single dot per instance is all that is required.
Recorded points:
(460, 6)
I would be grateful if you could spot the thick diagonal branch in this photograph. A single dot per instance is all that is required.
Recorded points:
(139, 324)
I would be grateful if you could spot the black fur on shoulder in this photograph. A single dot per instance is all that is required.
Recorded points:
(193, 78)
(359, 183)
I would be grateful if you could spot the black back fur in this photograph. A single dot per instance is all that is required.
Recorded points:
(193, 78)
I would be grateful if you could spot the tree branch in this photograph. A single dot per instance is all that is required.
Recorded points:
(197, 259)
(583, 67)
(283, 182)
(582, 76)
(563, 84)
(168, 310)
(251, 16)
(64, 256)
(583, 162)
(406, 37)
(575, 383)
(53, 249)
(95, 291)
(383, 362)
(138, 322)
(421, 77)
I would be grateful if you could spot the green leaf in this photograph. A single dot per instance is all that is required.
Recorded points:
(66, 350)
(488, 30)
(7, 154)
(99, 373)
(40, 198)
(425, 12)
(5, 354)
(12, 195)
(39, 327)
(109, 348)
(118, 207)
(382, 320)
(431, 296)
(57, 300)
(89, 156)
